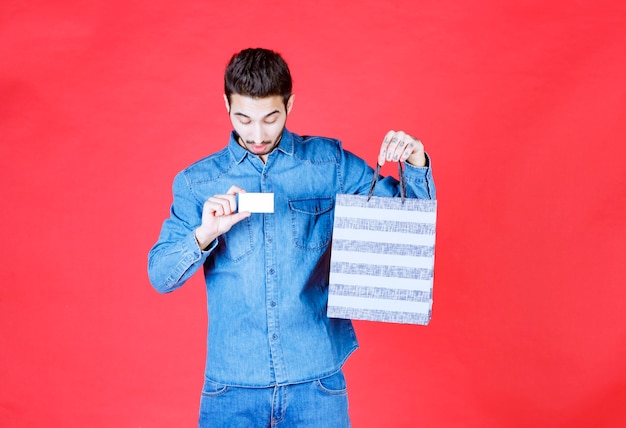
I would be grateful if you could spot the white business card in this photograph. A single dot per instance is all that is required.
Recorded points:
(256, 202)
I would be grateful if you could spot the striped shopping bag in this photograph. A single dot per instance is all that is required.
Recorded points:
(382, 258)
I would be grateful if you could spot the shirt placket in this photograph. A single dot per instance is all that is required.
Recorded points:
(272, 302)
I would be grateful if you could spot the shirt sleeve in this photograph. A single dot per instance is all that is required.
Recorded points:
(419, 181)
(176, 256)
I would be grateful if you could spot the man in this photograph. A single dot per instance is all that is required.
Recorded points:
(274, 357)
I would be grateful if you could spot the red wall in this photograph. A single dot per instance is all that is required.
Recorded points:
(522, 108)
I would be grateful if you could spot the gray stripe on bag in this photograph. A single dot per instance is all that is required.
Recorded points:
(381, 293)
(383, 248)
(380, 270)
(378, 315)
(385, 225)
(410, 204)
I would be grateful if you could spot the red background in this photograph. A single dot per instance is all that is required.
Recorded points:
(522, 107)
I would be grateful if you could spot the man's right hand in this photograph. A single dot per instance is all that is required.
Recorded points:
(218, 216)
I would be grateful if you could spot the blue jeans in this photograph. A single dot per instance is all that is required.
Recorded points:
(321, 403)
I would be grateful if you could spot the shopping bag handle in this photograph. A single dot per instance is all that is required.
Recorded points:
(400, 176)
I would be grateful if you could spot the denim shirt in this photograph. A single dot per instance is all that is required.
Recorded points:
(267, 278)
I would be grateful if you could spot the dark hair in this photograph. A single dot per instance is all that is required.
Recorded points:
(257, 73)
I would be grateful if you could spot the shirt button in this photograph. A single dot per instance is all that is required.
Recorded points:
(273, 304)
(271, 271)
(269, 239)
(274, 336)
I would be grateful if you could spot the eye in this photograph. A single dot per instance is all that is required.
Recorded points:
(245, 121)
(271, 119)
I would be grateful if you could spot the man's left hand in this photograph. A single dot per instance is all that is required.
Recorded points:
(399, 146)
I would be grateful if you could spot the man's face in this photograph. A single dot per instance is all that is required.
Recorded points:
(259, 122)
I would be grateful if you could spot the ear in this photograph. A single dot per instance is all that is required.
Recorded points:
(226, 103)
(290, 103)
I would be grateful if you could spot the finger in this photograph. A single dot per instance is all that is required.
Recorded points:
(392, 146)
(221, 204)
(226, 222)
(417, 156)
(407, 151)
(213, 207)
(396, 146)
(384, 147)
(234, 190)
(240, 216)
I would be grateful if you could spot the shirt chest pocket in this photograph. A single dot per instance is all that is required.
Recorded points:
(237, 242)
(311, 222)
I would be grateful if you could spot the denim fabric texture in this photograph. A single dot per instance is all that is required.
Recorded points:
(321, 403)
(267, 278)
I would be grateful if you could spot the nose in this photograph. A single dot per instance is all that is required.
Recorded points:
(257, 133)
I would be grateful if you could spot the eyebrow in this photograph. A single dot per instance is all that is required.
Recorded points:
(264, 117)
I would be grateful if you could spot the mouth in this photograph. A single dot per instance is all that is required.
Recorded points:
(261, 148)
(258, 148)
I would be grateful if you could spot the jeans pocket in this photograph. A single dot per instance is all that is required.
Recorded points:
(213, 389)
(334, 384)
